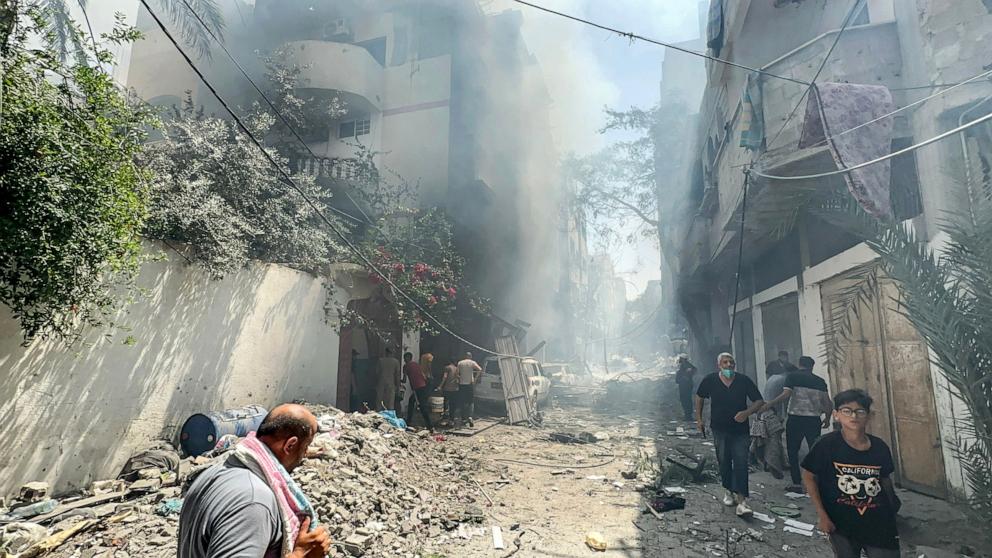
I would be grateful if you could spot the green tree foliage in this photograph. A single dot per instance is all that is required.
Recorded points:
(215, 192)
(619, 184)
(72, 199)
(947, 295)
(60, 28)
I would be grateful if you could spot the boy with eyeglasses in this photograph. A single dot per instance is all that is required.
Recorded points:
(847, 477)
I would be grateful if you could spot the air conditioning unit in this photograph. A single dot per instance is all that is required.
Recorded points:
(339, 30)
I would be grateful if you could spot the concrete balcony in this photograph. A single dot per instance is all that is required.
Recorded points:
(347, 69)
(867, 54)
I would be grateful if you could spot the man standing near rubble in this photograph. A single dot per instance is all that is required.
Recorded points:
(729, 393)
(683, 377)
(469, 373)
(232, 509)
(418, 383)
(388, 381)
(809, 413)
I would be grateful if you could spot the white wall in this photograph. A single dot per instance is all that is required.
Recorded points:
(70, 416)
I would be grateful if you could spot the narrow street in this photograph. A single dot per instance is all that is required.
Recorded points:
(549, 495)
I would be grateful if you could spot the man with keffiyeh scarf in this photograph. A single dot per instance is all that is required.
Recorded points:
(248, 506)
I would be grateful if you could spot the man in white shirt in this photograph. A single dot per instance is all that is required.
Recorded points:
(469, 373)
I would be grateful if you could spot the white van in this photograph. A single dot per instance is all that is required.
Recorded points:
(490, 386)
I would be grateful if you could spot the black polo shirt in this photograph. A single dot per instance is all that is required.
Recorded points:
(727, 401)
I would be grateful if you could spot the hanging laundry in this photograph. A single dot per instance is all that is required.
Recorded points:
(753, 114)
(834, 108)
(714, 27)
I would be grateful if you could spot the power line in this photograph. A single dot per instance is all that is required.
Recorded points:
(909, 149)
(290, 127)
(292, 183)
(631, 35)
(847, 21)
(740, 260)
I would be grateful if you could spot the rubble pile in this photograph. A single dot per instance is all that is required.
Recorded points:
(379, 491)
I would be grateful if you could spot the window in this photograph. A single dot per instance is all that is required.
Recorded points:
(904, 182)
(354, 128)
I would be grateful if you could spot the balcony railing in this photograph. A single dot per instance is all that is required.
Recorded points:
(339, 168)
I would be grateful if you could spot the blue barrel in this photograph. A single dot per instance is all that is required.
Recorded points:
(201, 431)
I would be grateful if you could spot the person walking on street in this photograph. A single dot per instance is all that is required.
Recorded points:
(469, 373)
(768, 424)
(248, 505)
(848, 478)
(729, 393)
(780, 365)
(420, 395)
(809, 413)
(388, 381)
(449, 389)
(684, 378)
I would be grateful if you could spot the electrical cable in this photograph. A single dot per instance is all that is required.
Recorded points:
(631, 35)
(823, 64)
(292, 184)
(909, 149)
(290, 127)
(557, 465)
(740, 260)
(631, 331)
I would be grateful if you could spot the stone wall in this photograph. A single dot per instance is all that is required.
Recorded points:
(72, 415)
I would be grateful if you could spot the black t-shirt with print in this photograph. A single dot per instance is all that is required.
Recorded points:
(850, 483)
(727, 401)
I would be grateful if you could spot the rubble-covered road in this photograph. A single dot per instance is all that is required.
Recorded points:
(585, 476)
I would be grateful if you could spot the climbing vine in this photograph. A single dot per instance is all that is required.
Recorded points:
(72, 199)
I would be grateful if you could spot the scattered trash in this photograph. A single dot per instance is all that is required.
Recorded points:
(161, 457)
(795, 495)
(596, 477)
(498, 538)
(663, 504)
(393, 420)
(789, 529)
(171, 506)
(783, 511)
(674, 490)
(596, 541)
(629, 475)
(17, 537)
(30, 510)
(763, 517)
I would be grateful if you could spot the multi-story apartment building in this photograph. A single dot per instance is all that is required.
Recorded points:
(448, 97)
(794, 266)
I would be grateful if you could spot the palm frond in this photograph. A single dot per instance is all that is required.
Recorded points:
(846, 308)
(197, 35)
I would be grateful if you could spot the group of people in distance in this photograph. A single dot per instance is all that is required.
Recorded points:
(846, 472)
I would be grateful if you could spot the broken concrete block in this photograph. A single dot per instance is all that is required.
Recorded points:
(146, 485)
(356, 544)
(33, 492)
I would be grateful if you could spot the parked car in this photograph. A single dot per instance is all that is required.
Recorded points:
(559, 373)
(490, 386)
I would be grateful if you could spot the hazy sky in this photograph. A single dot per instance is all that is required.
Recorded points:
(585, 68)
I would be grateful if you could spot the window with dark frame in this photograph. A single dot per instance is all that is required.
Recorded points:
(354, 128)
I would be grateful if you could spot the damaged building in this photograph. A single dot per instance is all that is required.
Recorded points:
(795, 265)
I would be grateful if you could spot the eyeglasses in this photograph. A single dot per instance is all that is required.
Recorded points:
(848, 412)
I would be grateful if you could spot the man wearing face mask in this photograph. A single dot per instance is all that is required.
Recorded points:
(729, 393)
(248, 506)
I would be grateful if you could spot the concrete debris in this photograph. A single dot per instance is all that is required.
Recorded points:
(33, 492)
(596, 541)
(18, 537)
(381, 493)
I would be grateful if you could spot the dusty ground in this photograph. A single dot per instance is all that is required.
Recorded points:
(553, 501)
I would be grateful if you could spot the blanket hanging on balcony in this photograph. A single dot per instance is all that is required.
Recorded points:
(834, 108)
(753, 114)
(714, 27)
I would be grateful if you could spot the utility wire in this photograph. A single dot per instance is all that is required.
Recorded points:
(740, 260)
(847, 21)
(631, 35)
(292, 130)
(909, 149)
(292, 183)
